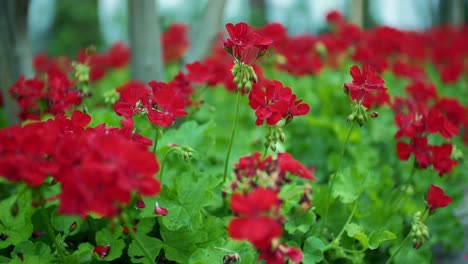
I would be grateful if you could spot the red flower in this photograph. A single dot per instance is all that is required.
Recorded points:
(258, 230)
(241, 39)
(287, 163)
(133, 96)
(166, 105)
(248, 166)
(441, 160)
(175, 42)
(257, 201)
(436, 198)
(419, 148)
(274, 103)
(363, 82)
(335, 17)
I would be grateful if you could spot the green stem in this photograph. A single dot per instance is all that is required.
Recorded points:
(391, 203)
(233, 133)
(155, 142)
(51, 234)
(337, 238)
(164, 162)
(336, 172)
(265, 153)
(136, 239)
(399, 249)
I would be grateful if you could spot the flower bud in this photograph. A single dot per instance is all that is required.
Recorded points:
(282, 137)
(248, 86)
(140, 204)
(273, 146)
(72, 226)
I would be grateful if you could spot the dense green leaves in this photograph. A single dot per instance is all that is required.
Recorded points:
(15, 218)
(313, 250)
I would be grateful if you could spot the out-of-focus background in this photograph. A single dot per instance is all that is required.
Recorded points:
(63, 27)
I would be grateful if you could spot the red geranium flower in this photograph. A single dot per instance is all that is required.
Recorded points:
(287, 163)
(441, 160)
(133, 95)
(166, 105)
(436, 198)
(363, 82)
(258, 230)
(241, 39)
(255, 202)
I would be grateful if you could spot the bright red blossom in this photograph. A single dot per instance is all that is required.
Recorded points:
(242, 39)
(273, 102)
(98, 168)
(255, 202)
(436, 198)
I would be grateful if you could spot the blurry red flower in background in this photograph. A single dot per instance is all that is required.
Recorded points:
(175, 42)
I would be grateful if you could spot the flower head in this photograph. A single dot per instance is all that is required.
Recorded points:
(436, 198)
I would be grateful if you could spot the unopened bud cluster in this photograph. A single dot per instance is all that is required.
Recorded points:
(419, 231)
(82, 75)
(360, 114)
(186, 152)
(244, 76)
(272, 135)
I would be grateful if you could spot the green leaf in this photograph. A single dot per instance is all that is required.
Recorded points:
(245, 251)
(349, 184)
(313, 250)
(84, 254)
(106, 237)
(379, 236)
(62, 223)
(300, 223)
(17, 228)
(357, 232)
(152, 246)
(185, 135)
(145, 225)
(206, 255)
(373, 240)
(180, 244)
(184, 200)
(32, 253)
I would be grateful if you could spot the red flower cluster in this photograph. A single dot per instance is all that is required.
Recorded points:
(421, 114)
(163, 103)
(116, 57)
(260, 223)
(98, 168)
(383, 47)
(37, 97)
(366, 87)
(273, 102)
(175, 42)
(244, 44)
(269, 172)
(436, 198)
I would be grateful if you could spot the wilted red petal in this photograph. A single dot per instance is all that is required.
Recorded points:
(102, 251)
(160, 210)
